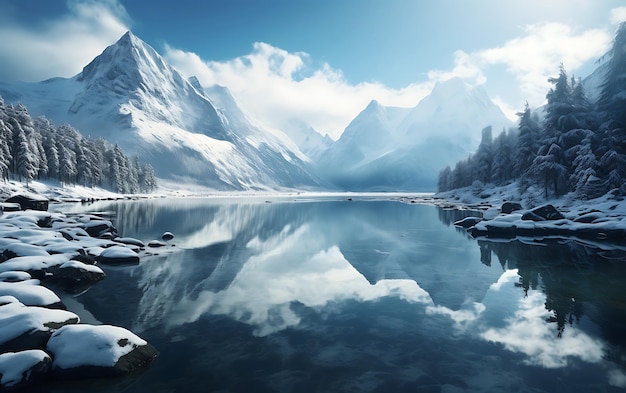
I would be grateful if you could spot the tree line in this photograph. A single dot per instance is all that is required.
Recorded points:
(36, 149)
(577, 146)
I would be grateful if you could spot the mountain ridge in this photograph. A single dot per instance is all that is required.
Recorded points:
(387, 148)
(131, 96)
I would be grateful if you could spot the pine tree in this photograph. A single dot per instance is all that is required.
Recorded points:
(52, 156)
(484, 157)
(67, 164)
(443, 183)
(5, 153)
(612, 100)
(527, 142)
(559, 106)
(503, 148)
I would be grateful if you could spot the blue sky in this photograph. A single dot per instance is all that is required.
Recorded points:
(322, 61)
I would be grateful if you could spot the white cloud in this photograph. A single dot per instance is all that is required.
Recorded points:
(618, 15)
(61, 47)
(535, 56)
(528, 333)
(464, 67)
(277, 86)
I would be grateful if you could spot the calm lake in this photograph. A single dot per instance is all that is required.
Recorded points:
(331, 295)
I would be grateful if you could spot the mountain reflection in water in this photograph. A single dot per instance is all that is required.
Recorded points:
(323, 294)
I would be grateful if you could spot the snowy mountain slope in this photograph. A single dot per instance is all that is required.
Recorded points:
(309, 141)
(387, 148)
(132, 97)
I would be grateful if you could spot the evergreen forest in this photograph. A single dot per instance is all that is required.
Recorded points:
(572, 146)
(36, 149)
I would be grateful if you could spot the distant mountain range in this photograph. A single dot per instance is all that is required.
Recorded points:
(388, 148)
(129, 95)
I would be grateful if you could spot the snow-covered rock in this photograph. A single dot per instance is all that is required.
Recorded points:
(13, 249)
(156, 244)
(19, 369)
(82, 351)
(118, 255)
(31, 293)
(27, 320)
(23, 327)
(37, 266)
(74, 276)
(14, 276)
(130, 241)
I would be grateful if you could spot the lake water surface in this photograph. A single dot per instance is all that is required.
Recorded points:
(331, 295)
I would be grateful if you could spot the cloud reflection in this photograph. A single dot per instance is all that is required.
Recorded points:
(527, 332)
(284, 269)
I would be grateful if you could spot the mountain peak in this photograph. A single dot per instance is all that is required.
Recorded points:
(129, 56)
(373, 104)
(450, 87)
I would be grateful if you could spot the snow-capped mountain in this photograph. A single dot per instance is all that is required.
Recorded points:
(131, 96)
(309, 141)
(388, 148)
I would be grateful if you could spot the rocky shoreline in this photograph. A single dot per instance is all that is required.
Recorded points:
(602, 220)
(41, 253)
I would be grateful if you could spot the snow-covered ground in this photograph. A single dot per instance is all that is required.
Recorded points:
(43, 250)
(601, 220)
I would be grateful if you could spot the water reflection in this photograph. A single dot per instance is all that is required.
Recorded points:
(409, 283)
(573, 303)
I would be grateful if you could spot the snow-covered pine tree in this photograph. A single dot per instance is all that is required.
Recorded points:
(612, 100)
(527, 142)
(559, 106)
(5, 153)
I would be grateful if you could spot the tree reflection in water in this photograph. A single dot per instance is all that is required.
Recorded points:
(576, 279)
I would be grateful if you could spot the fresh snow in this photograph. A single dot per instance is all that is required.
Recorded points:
(605, 213)
(132, 97)
(388, 148)
(29, 293)
(118, 252)
(86, 345)
(17, 319)
(15, 366)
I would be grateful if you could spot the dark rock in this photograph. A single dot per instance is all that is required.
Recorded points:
(84, 257)
(167, 236)
(495, 231)
(156, 243)
(510, 207)
(96, 228)
(468, 222)
(530, 216)
(590, 217)
(545, 212)
(76, 277)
